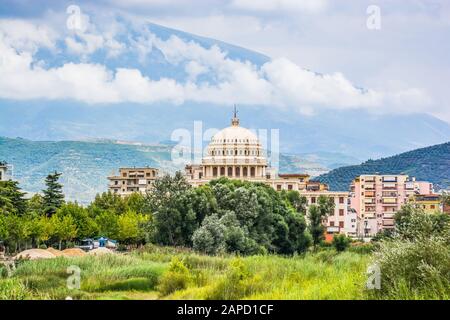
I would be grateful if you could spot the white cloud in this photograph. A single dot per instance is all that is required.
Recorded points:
(293, 6)
(27, 36)
(278, 83)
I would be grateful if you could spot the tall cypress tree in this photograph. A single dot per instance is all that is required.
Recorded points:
(53, 195)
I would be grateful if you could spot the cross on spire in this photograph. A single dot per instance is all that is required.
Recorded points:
(235, 119)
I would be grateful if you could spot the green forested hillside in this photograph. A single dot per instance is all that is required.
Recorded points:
(430, 164)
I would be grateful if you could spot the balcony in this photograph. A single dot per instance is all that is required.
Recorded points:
(389, 179)
(389, 215)
(390, 194)
(369, 214)
(388, 222)
(389, 186)
(369, 186)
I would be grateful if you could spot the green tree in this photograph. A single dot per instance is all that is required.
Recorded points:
(53, 194)
(297, 201)
(129, 230)
(107, 223)
(109, 201)
(315, 226)
(12, 198)
(36, 204)
(86, 225)
(65, 228)
(326, 205)
(171, 202)
(299, 238)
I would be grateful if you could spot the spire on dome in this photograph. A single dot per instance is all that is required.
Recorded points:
(235, 119)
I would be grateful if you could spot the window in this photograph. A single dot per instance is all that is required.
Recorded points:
(116, 182)
(433, 206)
(341, 224)
(331, 223)
(341, 199)
(289, 186)
(313, 199)
(278, 187)
(341, 212)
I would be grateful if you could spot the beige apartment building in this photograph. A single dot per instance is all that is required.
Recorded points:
(376, 199)
(131, 180)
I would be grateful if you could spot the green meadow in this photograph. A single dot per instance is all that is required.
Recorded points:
(169, 273)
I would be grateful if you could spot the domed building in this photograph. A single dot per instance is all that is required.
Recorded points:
(235, 152)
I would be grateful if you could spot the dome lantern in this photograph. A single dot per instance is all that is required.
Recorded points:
(235, 119)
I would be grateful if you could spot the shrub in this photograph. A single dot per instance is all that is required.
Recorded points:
(237, 283)
(340, 242)
(177, 277)
(414, 269)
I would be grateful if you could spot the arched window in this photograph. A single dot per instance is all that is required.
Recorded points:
(230, 171)
(222, 171)
(215, 172)
(252, 171)
(238, 171)
(244, 171)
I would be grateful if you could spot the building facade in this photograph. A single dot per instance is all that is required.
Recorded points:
(376, 199)
(131, 180)
(430, 203)
(236, 153)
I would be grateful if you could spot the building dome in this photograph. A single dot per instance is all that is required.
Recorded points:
(234, 134)
(235, 152)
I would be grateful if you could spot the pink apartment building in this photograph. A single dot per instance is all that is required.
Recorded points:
(376, 199)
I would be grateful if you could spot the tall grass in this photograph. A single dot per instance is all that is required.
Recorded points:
(48, 278)
(336, 276)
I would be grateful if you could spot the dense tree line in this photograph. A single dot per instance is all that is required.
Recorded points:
(222, 216)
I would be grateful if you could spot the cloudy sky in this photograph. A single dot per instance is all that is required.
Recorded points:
(325, 54)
